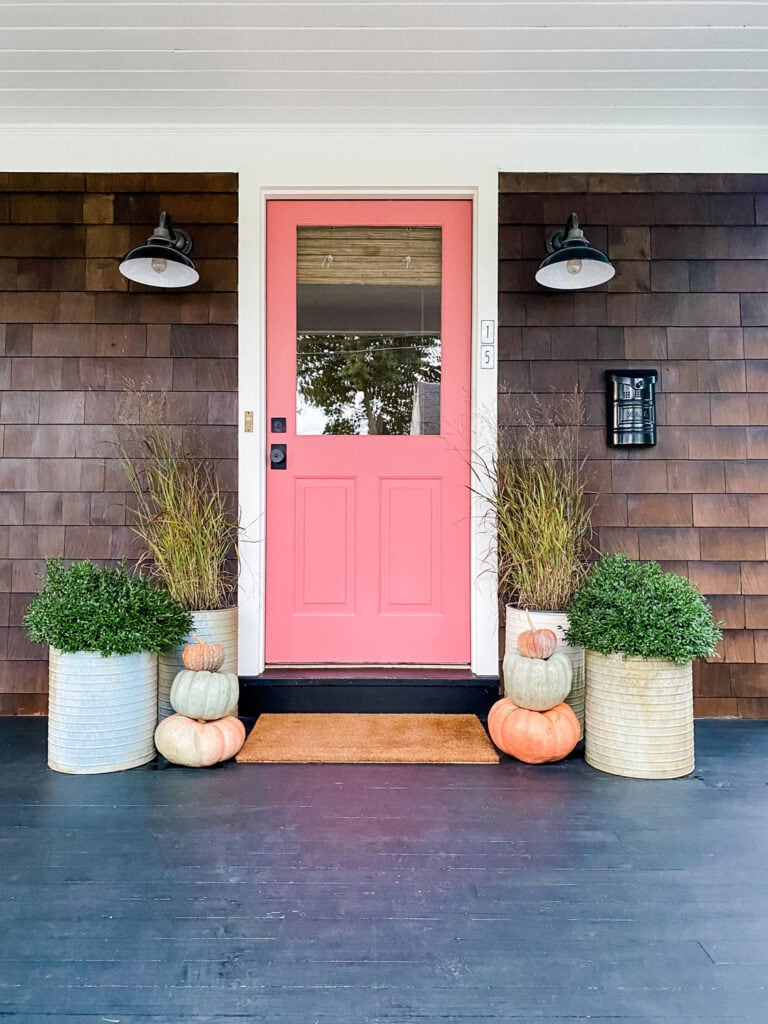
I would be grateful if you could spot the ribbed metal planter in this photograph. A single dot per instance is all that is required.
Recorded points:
(217, 626)
(517, 622)
(101, 711)
(639, 717)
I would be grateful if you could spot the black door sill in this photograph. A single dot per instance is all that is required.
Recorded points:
(420, 691)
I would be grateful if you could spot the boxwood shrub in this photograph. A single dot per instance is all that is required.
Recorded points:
(635, 609)
(110, 611)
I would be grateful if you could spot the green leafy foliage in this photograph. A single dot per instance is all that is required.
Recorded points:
(635, 609)
(85, 608)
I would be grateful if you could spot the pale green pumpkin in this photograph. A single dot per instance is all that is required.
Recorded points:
(204, 695)
(535, 683)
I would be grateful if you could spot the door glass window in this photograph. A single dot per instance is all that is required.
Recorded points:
(368, 351)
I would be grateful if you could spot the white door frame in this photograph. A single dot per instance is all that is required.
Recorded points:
(252, 448)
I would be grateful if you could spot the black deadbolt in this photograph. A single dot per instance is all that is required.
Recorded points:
(278, 424)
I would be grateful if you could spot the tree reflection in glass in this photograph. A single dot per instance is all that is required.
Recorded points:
(368, 384)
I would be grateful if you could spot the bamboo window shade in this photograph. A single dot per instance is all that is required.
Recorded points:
(374, 255)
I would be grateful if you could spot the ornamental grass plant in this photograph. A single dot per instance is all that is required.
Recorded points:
(179, 511)
(635, 609)
(110, 611)
(538, 496)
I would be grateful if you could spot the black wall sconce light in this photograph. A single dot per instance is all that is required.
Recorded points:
(163, 261)
(572, 261)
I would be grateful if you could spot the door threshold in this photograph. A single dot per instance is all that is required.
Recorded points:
(330, 672)
(376, 666)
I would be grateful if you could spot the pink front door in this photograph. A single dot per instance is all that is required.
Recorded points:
(368, 426)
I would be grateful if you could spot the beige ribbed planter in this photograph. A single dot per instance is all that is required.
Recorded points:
(517, 622)
(217, 626)
(639, 714)
(101, 711)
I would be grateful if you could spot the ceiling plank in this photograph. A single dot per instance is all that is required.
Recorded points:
(365, 62)
(390, 16)
(299, 39)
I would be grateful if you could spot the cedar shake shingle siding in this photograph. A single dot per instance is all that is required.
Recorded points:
(690, 298)
(72, 332)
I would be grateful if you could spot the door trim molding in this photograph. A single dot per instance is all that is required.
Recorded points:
(252, 454)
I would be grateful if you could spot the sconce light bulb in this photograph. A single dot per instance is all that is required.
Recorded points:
(573, 266)
(159, 265)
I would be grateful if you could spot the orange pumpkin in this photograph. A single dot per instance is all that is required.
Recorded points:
(533, 736)
(196, 744)
(537, 643)
(203, 657)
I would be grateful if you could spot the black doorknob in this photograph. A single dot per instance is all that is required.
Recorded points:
(278, 456)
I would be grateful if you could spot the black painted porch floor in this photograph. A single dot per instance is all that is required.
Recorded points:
(360, 894)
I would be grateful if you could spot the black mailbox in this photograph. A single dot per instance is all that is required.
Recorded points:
(631, 407)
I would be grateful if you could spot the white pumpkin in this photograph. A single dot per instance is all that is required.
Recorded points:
(204, 695)
(183, 740)
(535, 683)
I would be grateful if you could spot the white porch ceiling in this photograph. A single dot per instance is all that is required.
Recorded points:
(428, 62)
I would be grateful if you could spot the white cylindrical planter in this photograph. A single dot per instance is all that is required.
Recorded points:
(101, 711)
(517, 622)
(218, 626)
(639, 716)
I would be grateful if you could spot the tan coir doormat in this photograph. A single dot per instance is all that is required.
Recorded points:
(373, 739)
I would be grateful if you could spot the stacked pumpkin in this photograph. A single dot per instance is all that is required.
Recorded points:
(531, 722)
(205, 729)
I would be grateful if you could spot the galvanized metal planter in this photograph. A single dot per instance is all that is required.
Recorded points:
(639, 716)
(216, 626)
(517, 622)
(102, 711)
